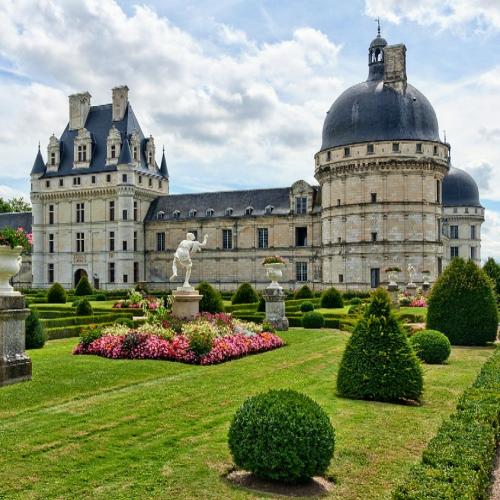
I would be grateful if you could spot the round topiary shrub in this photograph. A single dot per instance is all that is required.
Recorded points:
(211, 301)
(244, 295)
(378, 362)
(56, 294)
(83, 287)
(462, 305)
(313, 319)
(84, 308)
(101, 297)
(35, 334)
(306, 306)
(282, 435)
(303, 292)
(331, 298)
(431, 346)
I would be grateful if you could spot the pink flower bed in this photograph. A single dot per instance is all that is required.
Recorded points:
(419, 302)
(177, 349)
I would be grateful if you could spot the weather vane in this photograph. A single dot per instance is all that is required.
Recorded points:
(378, 26)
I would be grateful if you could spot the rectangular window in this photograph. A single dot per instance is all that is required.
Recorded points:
(328, 155)
(159, 184)
(140, 179)
(263, 237)
(150, 182)
(61, 182)
(51, 243)
(301, 236)
(108, 178)
(136, 211)
(473, 232)
(438, 191)
(453, 252)
(375, 277)
(113, 151)
(473, 253)
(347, 152)
(301, 271)
(124, 214)
(77, 181)
(370, 149)
(111, 210)
(301, 205)
(124, 177)
(80, 242)
(124, 245)
(125, 278)
(435, 150)
(374, 236)
(80, 212)
(111, 241)
(136, 272)
(52, 159)
(50, 273)
(111, 272)
(135, 153)
(47, 184)
(418, 148)
(395, 147)
(227, 239)
(51, 214)
(160, 242)
(135, 241)
(341, 278)
(338, 202)
(93, 179)
(374, 197)
(454, 232)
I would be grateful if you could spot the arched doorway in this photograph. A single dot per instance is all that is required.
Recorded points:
(79, 273)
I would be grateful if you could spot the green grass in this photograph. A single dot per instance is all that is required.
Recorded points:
(337, 311)
(413, 310)
(91, 427)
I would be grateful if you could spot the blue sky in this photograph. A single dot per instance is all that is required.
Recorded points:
(237, 90)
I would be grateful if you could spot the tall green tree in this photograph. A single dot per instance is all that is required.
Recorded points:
(492, 269)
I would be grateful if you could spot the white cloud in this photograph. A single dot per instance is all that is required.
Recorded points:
(490, 242)
(446, 14)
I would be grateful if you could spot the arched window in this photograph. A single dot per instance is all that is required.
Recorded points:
(229, 212)
(249, 210)
(210, 212)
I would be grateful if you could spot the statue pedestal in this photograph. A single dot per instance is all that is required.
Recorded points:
(393, 290)
(15, 365)
(411, 288)
(186, 303)
(275, 307)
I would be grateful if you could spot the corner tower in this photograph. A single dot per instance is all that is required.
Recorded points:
(380, 168)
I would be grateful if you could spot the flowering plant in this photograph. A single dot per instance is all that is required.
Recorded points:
(274, 259)
(16, 238)
(156, 329)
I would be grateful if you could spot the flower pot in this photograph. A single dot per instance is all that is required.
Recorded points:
(274, 273)
(10, 265)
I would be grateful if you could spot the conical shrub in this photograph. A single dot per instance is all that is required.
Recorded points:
(211, 301)
(378, 362)
(83, 287)
(462, 305)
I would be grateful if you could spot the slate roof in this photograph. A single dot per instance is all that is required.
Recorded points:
(460, 189)
(279, 198)
(99, 121)
(163, 166)
(16, 219)
(125, 154)
(39, 165)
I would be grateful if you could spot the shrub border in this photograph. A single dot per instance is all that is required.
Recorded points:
(459, 460)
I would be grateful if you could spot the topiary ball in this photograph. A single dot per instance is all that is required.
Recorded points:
(56, 294)
(84, 308)
(245, 295)
(431, 346)
(211, 301)
(331, 299)
(303, 292)
(282, 435)
(313, 319)
(306, 306)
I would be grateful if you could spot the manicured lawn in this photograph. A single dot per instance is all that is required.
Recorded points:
(93, 427)
(339, 310)
(98, 304)
(413, 310)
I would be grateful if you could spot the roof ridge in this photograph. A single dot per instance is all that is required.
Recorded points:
(226, 192)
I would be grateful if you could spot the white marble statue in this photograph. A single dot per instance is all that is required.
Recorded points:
(182, 256)
(411, 273)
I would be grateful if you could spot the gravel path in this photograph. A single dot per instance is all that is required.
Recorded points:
(495, 489)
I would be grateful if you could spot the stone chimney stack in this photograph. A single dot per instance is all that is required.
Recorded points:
(395, 67)
(79, 107)
(120, 101)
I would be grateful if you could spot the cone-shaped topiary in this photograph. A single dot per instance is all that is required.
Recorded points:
(331, 298)
(56, 294)
(282, 435)
(211, 301)
(462, 305)
(304, 292)
(245, 295)
(83, 308)
(431, 346)
(378, 362)
(35, 334)
(83, 287)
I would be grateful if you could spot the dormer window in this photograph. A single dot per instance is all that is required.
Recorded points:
(150, 152)
(249, 210)
(83, 151)
(160, 215)
(229, 212)
(53, 153)
(192, 213)
(176, 214)
(114, 143)
(136, 153)
(269, 209)
(210, 212)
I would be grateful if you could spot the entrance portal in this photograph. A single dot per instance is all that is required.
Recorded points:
(79, 273)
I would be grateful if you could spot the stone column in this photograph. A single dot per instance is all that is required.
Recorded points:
(411, 288)
(275, 308)
(186, 303)
(15, 365)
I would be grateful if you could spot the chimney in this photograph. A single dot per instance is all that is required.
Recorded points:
(79, 106)
(395, 67)
(120, 101)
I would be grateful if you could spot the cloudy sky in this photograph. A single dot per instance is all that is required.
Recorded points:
(237, 90)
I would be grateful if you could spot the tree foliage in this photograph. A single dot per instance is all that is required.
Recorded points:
(35, 334)
(18, 204)
(245, 295)
(492, 269)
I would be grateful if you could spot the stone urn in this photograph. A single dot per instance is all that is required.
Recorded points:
(392, 276)
(274, 273)
(10, 265)
(426, 285)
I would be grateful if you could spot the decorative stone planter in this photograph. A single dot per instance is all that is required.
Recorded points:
(10, 265)
(393, 279)
(274, 273)
(275, 307)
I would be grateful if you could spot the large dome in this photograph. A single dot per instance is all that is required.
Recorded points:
(371, 111)
(460, 189)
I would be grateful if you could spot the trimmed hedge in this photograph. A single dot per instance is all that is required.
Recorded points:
(306, 306)
(431, 346)
(282, 435)
(331, 299)
(245, 295)
(304, 292)
(56, 294)
(313, 319)
(463, 306)
(211, 301)
(83, 320)
(68, 331)
(458, 461)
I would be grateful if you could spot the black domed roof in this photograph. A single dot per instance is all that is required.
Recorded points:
(460, 189)
(372, 111)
